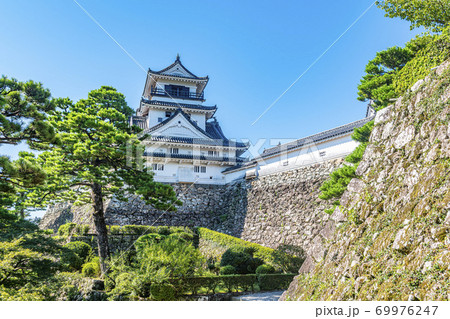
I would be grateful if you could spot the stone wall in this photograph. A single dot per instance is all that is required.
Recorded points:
(203, 205)
(392, 234)
(282, 208)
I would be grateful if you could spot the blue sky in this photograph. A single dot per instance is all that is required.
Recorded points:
(251, 50)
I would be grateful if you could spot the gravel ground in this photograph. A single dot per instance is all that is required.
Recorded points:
(260, 296)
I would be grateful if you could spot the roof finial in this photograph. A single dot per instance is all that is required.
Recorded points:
(178, 57)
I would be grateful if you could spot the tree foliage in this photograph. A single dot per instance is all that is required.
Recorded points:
(28, 258)
(24, 109)
(169, 258)
(377, 83)
(430, 51)
(90, 164)
(431, 14)
(336, 185)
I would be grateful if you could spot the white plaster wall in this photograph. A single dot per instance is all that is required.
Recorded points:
(199, 118)
(171, 174)
(308, 155)
(153, 117)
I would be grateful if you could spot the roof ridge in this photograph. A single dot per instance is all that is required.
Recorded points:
(314, 137)
(167, 103)
(177, 61)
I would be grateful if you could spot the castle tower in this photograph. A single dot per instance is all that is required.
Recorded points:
(186, 143)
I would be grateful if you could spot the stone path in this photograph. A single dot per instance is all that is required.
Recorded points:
(260, 296)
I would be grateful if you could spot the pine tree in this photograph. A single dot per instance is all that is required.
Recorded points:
(90, 163)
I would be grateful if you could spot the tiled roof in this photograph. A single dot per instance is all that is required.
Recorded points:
(192, 75)
(194, 157)
(338, 131)
(190, 140)
(240, 165)
(213, 131)
(185, 105)
(139, 121)
(344, 129)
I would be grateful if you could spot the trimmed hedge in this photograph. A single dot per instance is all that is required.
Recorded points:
(241, 259)
(275, 281)
(69, 229)
(227, 270)
(142, 230)
(233, 283)
(265, 269)
(277, 258)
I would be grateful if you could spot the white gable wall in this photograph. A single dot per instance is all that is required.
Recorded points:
(179, 126)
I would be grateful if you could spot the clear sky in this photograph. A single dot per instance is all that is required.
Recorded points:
(251, 50)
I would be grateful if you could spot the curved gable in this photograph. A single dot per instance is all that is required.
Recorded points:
(179, 126)
(179, 70)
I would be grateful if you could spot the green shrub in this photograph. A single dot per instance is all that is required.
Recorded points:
(162, 292)
(239, 282)
(123, 280)
(183, 236)
(339, 179)
(435, 51)
(136, 229)
(267, 255)
(283, 258)
(70, 229)
(147, 241)
(164, 230)
(66, 229)
(92, 269)
(71, 260)
(227, 270)
(169, 258)
(141, 286)
(241, 259)
(357, 155)
(275, 281)
(265, 269)
(336, 185)
(144, 229)
(80, 248)
(362, 134)
(232, 282)
(82, 230)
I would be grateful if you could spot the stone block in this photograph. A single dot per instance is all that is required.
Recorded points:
(383, 115)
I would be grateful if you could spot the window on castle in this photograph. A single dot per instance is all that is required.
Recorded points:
(168, 114)
(213, 153)
(158, 167)
(199, 169)
(322, 154)
(174, 151)
(177, 90)
(160, 119)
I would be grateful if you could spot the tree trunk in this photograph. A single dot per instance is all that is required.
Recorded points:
(100, 226)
